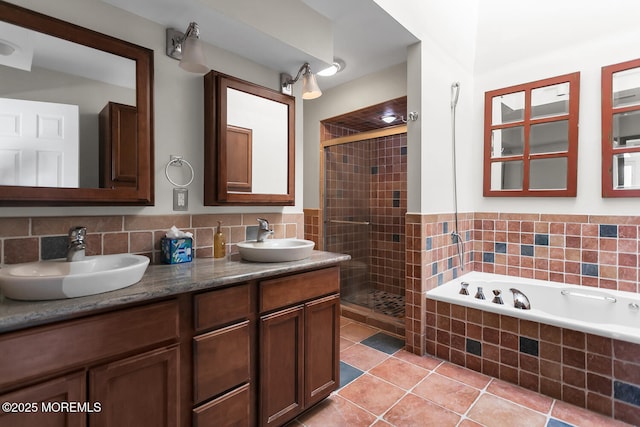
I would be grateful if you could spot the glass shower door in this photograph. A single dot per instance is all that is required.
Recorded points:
(346, 216)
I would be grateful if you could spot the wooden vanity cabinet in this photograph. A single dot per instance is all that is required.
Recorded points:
(254, 353)
(123, 366)
(299, 343)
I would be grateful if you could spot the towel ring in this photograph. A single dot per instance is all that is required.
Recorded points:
(178, 161)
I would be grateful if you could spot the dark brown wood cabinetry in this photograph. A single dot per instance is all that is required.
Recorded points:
(299, 344)
(281, 366)
(130, 357)
(254, 353)
(224, 357)
(67, 388)
(146, 385)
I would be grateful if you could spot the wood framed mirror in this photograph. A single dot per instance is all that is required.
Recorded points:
(76, 114)
(531, 139)
(249, 143)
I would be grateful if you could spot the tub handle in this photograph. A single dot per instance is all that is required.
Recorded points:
(583, 295)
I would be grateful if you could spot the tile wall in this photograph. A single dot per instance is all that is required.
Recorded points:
(601, 374)
(598, 251)
(590, 250)
(27, 239)
(312, 229)
(388, 206)
(432, 259)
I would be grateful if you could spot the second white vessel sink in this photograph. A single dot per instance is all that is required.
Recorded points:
(57, 279)
(276, 250)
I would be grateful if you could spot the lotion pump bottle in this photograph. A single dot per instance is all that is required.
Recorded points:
(219, 245)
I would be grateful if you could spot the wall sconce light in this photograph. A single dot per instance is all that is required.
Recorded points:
(310, 88)
(187, 48)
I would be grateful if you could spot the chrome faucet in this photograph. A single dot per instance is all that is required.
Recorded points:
(479, 293)
(263, 230)
(76, 245)
(497, 297)
(520, 300)
(464, 288)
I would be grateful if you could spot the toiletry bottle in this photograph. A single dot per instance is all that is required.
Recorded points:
(219, 245)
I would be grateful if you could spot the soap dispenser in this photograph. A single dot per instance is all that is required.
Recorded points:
(219, 245)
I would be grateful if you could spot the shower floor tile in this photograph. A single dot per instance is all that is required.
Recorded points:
(381, 301)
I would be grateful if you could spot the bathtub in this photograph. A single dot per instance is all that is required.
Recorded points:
(608, 313)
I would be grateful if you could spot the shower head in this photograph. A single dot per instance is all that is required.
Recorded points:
(455, 91)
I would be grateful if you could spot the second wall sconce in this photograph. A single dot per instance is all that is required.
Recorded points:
(187, 48)
(310, 88)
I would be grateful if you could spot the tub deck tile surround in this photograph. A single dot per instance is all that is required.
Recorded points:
(404, 389)
(585, 370)
(575, 249)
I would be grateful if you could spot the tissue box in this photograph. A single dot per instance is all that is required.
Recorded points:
(176, 251)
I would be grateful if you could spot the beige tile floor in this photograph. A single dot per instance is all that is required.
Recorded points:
(398, 388)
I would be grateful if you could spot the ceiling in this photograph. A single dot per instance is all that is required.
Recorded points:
(364, 35)
(368, 118)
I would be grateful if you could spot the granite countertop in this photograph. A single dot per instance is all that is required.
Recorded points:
(159, 281)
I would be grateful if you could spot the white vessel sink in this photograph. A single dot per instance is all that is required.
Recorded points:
(275, 250)
(56, 279)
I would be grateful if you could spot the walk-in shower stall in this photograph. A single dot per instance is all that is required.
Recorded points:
(365, 202)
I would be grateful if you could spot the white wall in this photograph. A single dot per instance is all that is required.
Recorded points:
(446, 54)
(497, 43)
(178, 105)
(587, 57)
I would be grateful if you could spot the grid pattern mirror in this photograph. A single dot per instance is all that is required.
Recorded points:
(621, 129)
(531, 138)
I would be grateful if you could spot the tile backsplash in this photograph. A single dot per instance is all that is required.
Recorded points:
(590, 250)
(27, 239)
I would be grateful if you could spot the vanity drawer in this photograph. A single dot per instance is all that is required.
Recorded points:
(277, 293)
(221, 360)
(232, 409)
(220, 307)
(38, 351)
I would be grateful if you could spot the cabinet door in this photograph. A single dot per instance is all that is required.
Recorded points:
(322, 356)
(139, 391)
(118, 125)
(281, 366)
(70, 388)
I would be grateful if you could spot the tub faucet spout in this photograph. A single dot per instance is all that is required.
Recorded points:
(520, 300)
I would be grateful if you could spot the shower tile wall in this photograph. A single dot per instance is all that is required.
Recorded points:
(366, 181)
(388, 207)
